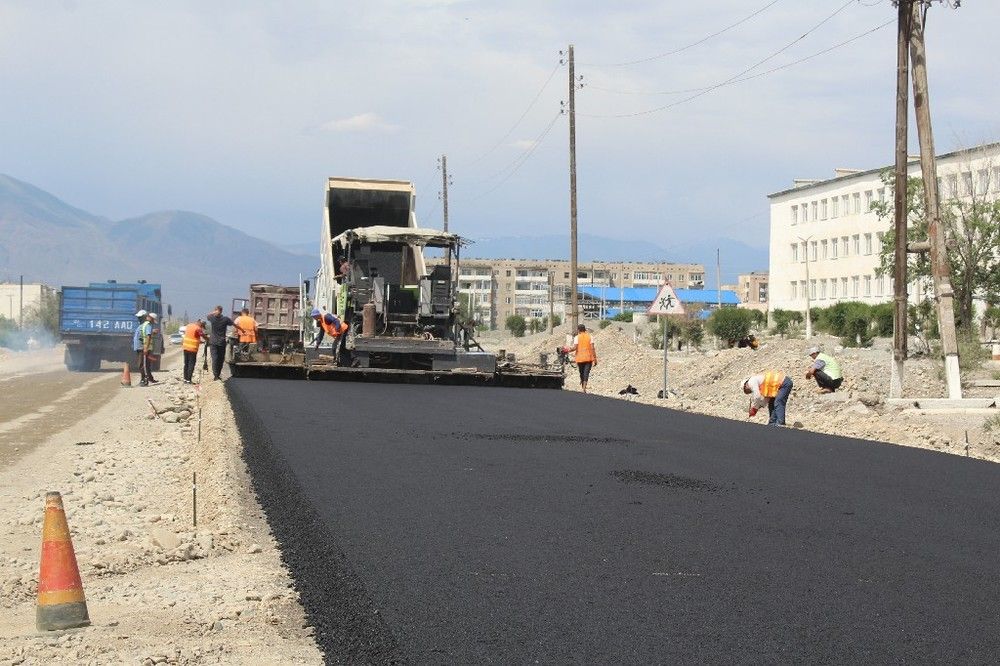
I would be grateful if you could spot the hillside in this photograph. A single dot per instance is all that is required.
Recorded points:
(199, 261)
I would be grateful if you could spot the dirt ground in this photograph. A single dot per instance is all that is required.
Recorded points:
(708, 381)
(159, 589)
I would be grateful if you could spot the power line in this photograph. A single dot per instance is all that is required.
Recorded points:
(515, 166)
(688, 46)
(731, 79)
(513, 127)
(752, 76)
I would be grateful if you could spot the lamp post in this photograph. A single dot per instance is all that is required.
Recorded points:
(809, 326)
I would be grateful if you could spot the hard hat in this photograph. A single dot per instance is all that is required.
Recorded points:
(140, 313)
(812, 350)
(744, 382)
(153, 315)
(316, 312)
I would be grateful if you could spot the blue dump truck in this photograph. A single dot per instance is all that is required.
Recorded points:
(97, 322)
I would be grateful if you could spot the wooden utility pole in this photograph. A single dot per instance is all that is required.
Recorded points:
(940, 266)
(900, 326)
(573, 301)
(444, 189)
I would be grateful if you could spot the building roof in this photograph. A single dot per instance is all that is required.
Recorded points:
(647, 294)
(869, 172)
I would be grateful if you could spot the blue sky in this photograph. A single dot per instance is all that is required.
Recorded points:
(240, 109)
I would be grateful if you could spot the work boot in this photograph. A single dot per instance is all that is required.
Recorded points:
(143, 383)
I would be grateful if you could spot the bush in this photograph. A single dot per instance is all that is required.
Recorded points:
(604, 323)
(516, 324)
(730, 324)
(668, 324)
(623, 316)
(882, 317)
(692, 332)
(971, 352)
(757, 318)
(783, 320)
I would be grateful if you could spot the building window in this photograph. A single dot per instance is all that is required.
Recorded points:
(508, 302)
(823, 209)
(566, 275)
(812, 288)
(833, 288)
(868, 285)
(868, 244)
(815, 211)
(833, 248)
(855, 284)
(795, 214)
(996, 178)
(856, 198)
(843, 287)
(880, 285)
(881, 194)
(835, 207)
(952, 185)
(824, 250)
(805, 250)
(857, 244)
(795, 290)
(983, 183)
(822, 288)
(815, 247)
(869, 198)
(845, 205)
(967, 184)
(805, 212)
(508, 273)
(847, 252)
(878, 241)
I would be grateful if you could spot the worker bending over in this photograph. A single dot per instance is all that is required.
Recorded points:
(330, 324)
(585, 354)
(826, 370)
(772, 389)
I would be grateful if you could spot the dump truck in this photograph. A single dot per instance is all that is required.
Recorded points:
(403, 323)
(97, 322)
(278, 311)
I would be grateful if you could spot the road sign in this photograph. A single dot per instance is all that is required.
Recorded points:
(666, 302)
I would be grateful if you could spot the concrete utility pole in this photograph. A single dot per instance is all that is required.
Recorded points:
(718, 279)
(20, 319)
(940, 266)
(574, 305)
(621, 290)
(900, 326)
(809, 321)
(444, 189)
(552, 304)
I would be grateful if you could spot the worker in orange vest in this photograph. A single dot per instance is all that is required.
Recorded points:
(585, 354)
(771, 388)
(330, 324)
(246, 327)
(194, 336)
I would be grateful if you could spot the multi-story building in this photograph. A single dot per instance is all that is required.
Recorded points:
(826, 237)
(752, 290)
(521, 286)
(14, 300)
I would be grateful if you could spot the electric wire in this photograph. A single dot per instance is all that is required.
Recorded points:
(688, 46)
(517, 123)
(752, 76)
(730, 79)
(515, 166)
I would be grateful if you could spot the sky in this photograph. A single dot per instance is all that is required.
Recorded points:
(240, 109)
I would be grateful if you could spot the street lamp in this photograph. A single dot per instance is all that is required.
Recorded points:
(809, 325)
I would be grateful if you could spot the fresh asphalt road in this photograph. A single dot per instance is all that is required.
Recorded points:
(430, 524)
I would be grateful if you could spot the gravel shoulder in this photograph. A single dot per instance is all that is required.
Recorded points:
(159, 590)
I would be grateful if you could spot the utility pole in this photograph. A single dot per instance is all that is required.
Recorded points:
(900, 326)
(444, 189)
(574, 314)
(809, 323)
(552, 304)
(940, 266)
(621, 290)
(718, 279)
(20, 319)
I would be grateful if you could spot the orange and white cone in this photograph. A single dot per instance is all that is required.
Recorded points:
(126, 376)
(61, 604)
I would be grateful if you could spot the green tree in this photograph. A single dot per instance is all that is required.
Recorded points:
(692, 332)
(516, 324)
(623, 316)
(784, 319)
(972, 235)
(730, 324)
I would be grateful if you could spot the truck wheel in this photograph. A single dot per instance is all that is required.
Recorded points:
(74, 359)
(93, 362)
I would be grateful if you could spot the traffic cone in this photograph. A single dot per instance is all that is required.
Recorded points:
(126, 376)
(61, 604)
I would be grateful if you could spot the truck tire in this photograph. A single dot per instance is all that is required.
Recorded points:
(74, 359)
(93, 362)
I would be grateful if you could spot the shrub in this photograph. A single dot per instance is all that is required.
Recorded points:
(783, 320)
(882, 317)
(516, 324)
(604, 323)
(693, 332)
(730, 324)
(623, 316)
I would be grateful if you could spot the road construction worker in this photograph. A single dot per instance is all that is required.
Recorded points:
(218, 323)
(194, 336)
(585, 355)
(772, 389)
(247, 327)
(825, 370)
(147, 335)
(137, 339)
(330, 324)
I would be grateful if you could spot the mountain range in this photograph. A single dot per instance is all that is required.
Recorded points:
(199, 261)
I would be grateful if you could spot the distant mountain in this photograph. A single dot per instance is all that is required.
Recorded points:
(737, 256)
(199, 261)
(302, 248)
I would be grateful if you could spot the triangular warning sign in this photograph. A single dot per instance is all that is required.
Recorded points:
(666, 302)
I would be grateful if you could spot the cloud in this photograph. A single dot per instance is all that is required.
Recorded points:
(524, 144)
(362, 122)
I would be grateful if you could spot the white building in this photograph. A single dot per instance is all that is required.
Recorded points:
(831, 223)
(14, 300)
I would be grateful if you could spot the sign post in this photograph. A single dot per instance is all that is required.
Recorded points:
(665, 303)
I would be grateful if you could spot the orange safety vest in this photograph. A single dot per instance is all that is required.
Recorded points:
(584, 349)
(249, 326)
(773, 379)
(190, 341)
(330, 329)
